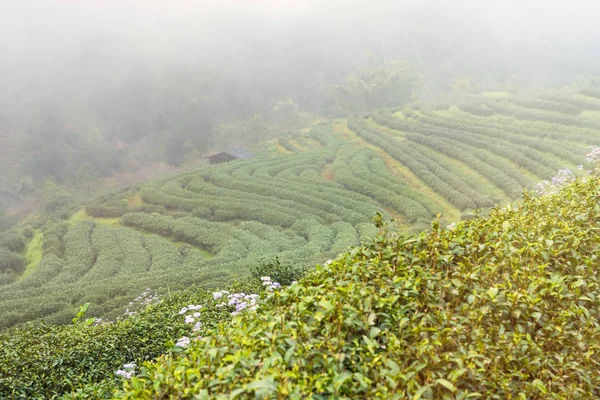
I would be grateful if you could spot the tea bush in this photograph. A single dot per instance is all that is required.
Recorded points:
(504, 306)
(80, 360)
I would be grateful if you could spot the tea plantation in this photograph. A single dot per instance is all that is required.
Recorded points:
(305, 198)
(501, 306)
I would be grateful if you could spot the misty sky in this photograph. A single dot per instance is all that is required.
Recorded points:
(48, 36)
(41, 25)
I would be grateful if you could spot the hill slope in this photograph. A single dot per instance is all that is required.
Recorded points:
(307, 197)
(505, 306)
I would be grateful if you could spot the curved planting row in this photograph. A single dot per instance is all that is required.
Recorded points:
(352, 170)
(211, 225)
(440, 179)
(526, 139)
(505, 108)
(207, 227)
(528, 158)
(547, 105)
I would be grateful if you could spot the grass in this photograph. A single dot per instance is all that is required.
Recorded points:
(399, 135)
(81, 215)
(497, 95)
(33, 254)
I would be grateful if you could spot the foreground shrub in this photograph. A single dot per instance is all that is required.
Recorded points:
(80, 360)
(506, 306)
(284, 273)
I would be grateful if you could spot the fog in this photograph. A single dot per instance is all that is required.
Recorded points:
(37, 34)
(93, 90)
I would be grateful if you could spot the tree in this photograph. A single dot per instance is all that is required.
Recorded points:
(174, 151)
(390, 85)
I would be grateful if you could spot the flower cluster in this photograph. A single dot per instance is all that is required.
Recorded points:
(192, 313)
(191, 318)
(242, 301)
(593, 156)
(218, 295)
(235, 302)
(191, 307)
(563, 177)
(127, 371)
(183, 342)
(270, 285)
(140, 302)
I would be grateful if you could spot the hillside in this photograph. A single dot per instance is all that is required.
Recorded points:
(502, 306)
(307, 197)
(499, 307)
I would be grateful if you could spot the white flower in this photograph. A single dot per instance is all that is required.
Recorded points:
(124, 374)
(129, 366)
(197, 326)
(183, 342)
(196, 315)
(183, 310)
(328, 262)
(593, 156)
(189, 319)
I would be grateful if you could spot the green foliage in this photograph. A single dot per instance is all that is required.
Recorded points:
(12, 240)
(476, 109)
(10, 262)
(559, 107)
(591, 92)
(109, 206)
(284, 273)
(210, 225)
(81, 314)
(474, 150)
(428, 170)
(495, 307)
(390, 85)
(79, 360)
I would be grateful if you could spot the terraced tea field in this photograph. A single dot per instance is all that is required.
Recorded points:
(306, 198)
